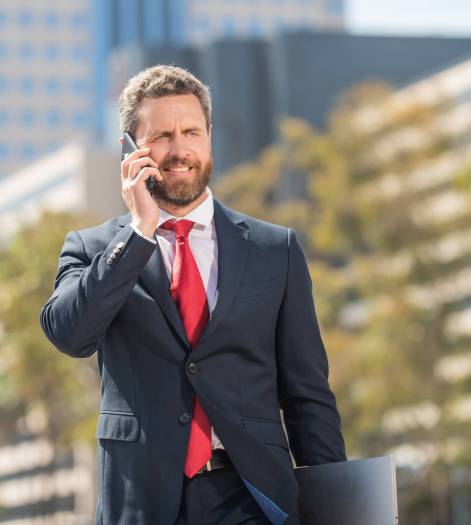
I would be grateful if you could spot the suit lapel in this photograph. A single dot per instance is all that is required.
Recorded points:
(232, 237)
(155, 280)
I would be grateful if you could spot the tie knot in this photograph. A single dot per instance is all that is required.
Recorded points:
(181, 228)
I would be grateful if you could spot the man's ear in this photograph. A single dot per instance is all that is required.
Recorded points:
(121, 140)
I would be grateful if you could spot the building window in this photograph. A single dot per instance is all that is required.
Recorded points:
(3, 50)
(255, 27)
(4, 117)
(229, 26)
(127, 21)
(25, 18)
(79, 86)
(4, 151)
(78, 20)
(3, 84)
(53, 117)
(25, 50)
(26, 85)
(53, 145)
(53, 86)
(52, 51)
(335, 7)
(79, 52)
(51, 19)
(27, 118)
(80, 119)
(203, 25)
(28, 151)
(279, 24)
(154, 30)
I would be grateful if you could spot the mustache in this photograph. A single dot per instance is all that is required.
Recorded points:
(176, 162)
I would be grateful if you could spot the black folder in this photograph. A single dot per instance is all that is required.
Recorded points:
(357, 492)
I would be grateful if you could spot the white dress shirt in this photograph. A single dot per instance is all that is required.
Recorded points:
(203, 244)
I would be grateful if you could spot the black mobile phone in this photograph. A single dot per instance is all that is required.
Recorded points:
(129, 146)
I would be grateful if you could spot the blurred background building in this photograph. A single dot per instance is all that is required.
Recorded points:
(436, 199)
(189, 22)
(64, 65)
(55, 56)
(45, 78)
(75, 178)
(34, 489)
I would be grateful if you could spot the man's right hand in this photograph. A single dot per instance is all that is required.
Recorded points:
(135, 169)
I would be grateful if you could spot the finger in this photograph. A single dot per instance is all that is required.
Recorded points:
(145, 173)
(136, 154)
(131, 157)
(138, 164)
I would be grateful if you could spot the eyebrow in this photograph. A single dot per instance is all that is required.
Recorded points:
(158, 133)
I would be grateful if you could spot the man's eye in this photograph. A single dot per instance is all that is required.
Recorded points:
(192, 133)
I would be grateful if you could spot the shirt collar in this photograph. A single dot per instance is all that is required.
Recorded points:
(202, 214)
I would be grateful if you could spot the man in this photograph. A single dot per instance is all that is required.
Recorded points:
(204, 327)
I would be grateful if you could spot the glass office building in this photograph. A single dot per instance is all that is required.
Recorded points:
(45, 74)
(188, 22)
(54, 56)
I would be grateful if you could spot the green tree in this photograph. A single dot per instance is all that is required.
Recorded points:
(35, 377)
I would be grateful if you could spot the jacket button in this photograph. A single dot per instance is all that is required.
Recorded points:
(120, 245)
(184, 418)
(192, 368)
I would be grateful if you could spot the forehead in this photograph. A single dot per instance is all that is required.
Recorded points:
(165, 111)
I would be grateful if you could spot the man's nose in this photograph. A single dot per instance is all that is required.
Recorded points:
(177, 147)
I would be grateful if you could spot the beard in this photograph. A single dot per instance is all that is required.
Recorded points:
(183, 192)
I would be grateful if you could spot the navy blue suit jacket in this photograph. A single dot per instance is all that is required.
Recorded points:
(260, 351)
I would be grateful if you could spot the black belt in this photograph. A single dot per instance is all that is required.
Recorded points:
(219, 459)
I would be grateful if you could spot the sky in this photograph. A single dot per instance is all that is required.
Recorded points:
(431, 17)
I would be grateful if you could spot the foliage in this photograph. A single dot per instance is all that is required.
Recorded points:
(372, 223)
(35, 379)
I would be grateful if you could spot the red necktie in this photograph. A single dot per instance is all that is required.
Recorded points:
(188, 291)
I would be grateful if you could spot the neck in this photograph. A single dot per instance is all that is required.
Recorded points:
(181, 211)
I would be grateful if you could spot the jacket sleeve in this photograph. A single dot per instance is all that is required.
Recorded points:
(309, 407)
(88, 292)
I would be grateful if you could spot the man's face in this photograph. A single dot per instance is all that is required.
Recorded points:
(174, 128)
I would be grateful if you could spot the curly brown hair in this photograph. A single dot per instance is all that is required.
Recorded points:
(159, 81)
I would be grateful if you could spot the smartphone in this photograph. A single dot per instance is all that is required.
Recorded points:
(129, 146)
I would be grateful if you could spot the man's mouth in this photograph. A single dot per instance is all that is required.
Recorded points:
(176, 169)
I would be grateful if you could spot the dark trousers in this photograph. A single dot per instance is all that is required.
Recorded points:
(218, 497)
